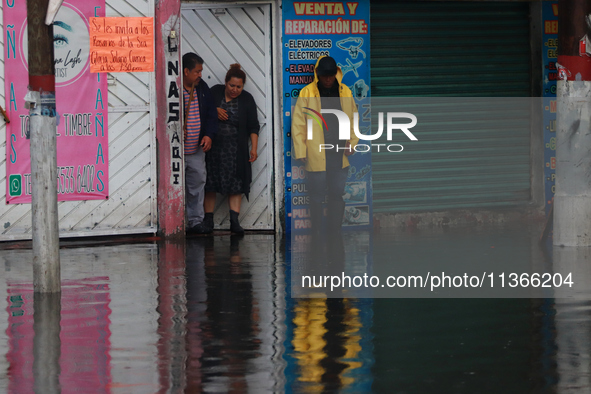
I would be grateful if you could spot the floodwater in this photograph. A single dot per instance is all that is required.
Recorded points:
(215, 315)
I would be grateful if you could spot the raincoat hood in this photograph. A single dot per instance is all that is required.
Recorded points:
(339, 75)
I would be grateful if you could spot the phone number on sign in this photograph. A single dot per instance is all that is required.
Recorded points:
(86, 179)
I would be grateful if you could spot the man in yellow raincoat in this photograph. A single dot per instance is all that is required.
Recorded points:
(323, 148)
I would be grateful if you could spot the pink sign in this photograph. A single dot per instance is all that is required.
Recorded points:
(81, 104)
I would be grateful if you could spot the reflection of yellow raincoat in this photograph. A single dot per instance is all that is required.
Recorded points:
(310, 97)
(311, 328)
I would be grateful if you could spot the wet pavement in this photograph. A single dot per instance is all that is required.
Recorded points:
(215, 314)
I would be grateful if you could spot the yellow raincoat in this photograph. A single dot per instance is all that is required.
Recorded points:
(310, 97)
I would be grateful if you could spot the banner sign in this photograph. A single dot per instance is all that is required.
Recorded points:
(81, 105)
(339, 30)
(549, 57)
(121, 44)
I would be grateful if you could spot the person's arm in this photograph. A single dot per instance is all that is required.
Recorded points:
(298, 129)
(222, 114)
(206, 143)
(217, 91)
(209, 119)
(252, 126)
(254, 141)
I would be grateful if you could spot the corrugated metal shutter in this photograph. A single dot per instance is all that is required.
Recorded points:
(477, 49)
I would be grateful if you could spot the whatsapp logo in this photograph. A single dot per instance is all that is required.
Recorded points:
(16, 185)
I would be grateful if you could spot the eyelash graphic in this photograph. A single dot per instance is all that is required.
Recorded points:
(60, 40)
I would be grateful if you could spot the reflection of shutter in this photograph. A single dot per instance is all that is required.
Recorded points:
(131, 207)
(239, 34)
(452, 49)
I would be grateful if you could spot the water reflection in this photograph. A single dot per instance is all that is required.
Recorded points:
(573, 321)
(219, 327)
(221, 332)
(59, 343)
(331, 346)
(171, 307)
(214, 314)
(46, 343)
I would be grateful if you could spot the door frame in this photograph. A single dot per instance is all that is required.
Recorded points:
(272, 92)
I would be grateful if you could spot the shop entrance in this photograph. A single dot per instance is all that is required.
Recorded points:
(222, 35)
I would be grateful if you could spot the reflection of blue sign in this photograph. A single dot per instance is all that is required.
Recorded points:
(312, 30)
(550, 53)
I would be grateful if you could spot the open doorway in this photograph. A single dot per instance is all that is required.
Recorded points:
(223, 34)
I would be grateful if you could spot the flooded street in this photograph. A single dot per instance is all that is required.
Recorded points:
(215, 314)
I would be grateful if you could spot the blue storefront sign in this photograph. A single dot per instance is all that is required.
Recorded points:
(339, 30)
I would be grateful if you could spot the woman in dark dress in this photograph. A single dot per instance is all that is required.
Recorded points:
(228, 162)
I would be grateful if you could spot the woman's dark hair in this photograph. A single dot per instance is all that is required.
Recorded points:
(190, 60)
(236, 71)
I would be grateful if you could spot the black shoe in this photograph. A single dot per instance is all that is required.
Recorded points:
(235, 224)
(198, 229)
(208, 223)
